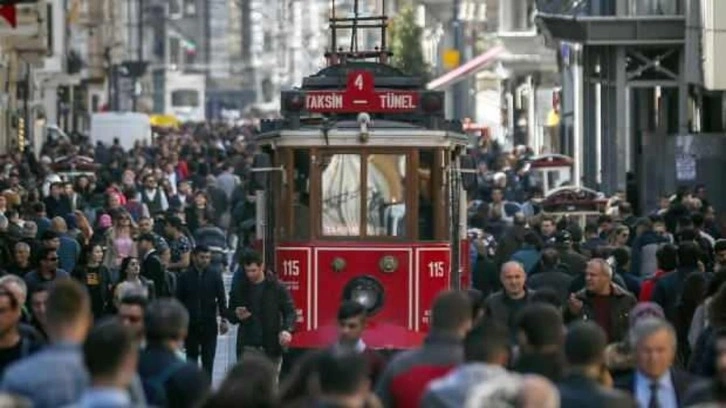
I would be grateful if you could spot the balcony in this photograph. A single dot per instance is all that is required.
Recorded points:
(596, 22)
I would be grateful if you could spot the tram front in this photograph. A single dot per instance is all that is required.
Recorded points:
(364, 202)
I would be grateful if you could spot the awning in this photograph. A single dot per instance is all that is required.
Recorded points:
(469, 68)
(165, 121)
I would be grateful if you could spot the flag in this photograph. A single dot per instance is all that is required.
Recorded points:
(8, 13)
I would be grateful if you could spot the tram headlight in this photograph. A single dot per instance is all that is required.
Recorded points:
(367, 291)
(432, 102)
(293, 101)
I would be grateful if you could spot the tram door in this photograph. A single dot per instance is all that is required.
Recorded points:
(266, 187)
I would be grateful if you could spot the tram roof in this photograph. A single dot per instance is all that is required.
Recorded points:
(348, 132)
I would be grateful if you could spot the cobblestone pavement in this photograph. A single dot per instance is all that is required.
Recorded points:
(225, 358)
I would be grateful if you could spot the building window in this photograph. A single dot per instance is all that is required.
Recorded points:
(185, 98)
(190, 57)
(174, 51)
(190, 8)
(174, 8)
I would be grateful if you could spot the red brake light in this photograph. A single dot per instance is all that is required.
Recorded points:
(432, 103)
(294, 102)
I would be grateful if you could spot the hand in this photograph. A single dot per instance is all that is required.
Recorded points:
(285, 338)
(223, 327)
(574, 304)
(242, 313)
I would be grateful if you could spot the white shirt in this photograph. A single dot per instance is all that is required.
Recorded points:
(666, 391)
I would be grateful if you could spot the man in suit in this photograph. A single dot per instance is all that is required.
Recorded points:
(151, 267)
(655, 383)
(585, 350)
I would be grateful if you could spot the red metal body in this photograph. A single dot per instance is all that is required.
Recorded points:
(424, 269)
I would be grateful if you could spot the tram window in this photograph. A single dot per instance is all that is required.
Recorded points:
(426, 213)
(341, 195)
(386, 195)
(301, 194)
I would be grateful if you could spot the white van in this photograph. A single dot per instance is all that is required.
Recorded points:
(128, 127)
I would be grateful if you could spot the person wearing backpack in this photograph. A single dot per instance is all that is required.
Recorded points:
(169, 381)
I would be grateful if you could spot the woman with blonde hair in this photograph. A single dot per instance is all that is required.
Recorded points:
(119, 241)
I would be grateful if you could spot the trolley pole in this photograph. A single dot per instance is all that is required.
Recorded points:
(459, 88)
(139, 49)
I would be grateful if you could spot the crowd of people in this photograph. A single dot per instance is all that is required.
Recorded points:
(112, 294)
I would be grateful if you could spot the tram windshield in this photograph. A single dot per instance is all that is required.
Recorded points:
(343, 190)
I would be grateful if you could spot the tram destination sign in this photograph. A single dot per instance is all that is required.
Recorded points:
(360, 95)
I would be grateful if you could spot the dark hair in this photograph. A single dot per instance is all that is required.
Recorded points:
(550, 257)
(622, 256)
(250, 383)
(547, 296)
(541, 324)
(585, 343)
(147, 236)
(44, 252)
(165, 319)
(689, 253)
(68, 301)
(486, 341)
(720, 245)
(201, 249)
(341, 373)
(252, 258)
(135, 300)
(451, 309)
(667, 257)
(125, 265)
(130, 192)
(106, 347)
(349, 309)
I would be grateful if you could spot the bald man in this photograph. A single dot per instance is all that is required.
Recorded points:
(503, 306)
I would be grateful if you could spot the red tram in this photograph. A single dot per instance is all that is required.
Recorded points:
(362, 197)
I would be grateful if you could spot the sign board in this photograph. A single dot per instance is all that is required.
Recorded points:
(451, 58)
(685, 167)
(293, 268)
(360, 95)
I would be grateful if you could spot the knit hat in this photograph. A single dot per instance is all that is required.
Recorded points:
(645, 310)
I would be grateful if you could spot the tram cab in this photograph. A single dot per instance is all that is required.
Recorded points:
(363, 198)
(552, 171)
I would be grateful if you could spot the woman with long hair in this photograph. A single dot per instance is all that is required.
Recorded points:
(96, 277)
(132, 282)
(119, 241)
(84, 227)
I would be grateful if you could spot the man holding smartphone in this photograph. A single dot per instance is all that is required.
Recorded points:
(264, 310)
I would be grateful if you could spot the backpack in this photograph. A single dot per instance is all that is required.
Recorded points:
(155, 386)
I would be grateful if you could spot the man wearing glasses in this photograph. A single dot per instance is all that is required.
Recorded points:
(47, 271)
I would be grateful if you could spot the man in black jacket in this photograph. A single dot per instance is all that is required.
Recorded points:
(264, 310)
(582, 386)
(151, 267)
(201, 291)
